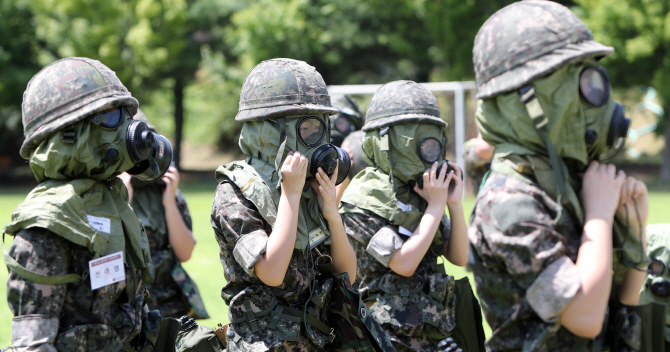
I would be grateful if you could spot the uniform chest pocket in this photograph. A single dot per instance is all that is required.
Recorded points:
(259, 322)
(440, 313)
(399, 304)
(413, 308)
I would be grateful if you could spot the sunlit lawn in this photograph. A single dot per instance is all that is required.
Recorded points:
(205, 267)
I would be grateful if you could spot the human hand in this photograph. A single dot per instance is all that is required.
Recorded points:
(294, 172)
(632, 192)
(326, 194)
(125, 177)
(601, 190)
(456, 186)
(435, 187)
(171, 179)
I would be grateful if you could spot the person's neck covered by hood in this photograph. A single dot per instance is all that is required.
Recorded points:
(580, 131)
(99, 153)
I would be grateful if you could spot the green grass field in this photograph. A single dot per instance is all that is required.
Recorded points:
(205, 267)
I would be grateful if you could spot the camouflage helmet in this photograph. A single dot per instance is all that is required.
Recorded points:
(527, 40)
(348, 106)
(402, 102)
(68, 91)
(282, 87)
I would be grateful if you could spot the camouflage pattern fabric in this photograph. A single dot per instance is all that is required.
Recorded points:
(173, 292)
(101, 320)
(476, 166)
(235, 219)
(68, 91)
(283, 87)
(414, 312)
(400, 103)
(356, 330)
(523, 265)
(527, 40)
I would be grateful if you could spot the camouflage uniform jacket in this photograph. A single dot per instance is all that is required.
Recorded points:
(242, 234)
(414, 311)
(70, 317)
(166, 293)
(476, 167)
(524, 267)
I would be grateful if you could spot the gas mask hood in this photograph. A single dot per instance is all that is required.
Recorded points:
(100, 147)
(271, 140)
(574, 110)
(412, 149)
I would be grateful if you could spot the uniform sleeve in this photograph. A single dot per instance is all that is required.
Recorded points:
(238, 223)
(472, 159)
(183, 209)
(37, 307)
(520, 236)
(383, 244)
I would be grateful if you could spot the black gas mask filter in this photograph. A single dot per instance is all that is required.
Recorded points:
(151, 152)
(311, 131)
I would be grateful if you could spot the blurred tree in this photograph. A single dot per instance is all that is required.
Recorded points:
(151, 44)
(17, 66)
(640, 33)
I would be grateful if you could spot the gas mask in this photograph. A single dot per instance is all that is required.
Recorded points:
(412, 148)
(150, 153)
(343, 125)
(311, 132)
(606, 123)
(659, 286)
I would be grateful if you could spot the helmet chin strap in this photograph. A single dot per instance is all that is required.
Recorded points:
(384, 134)
(540, 121)
(280, 153)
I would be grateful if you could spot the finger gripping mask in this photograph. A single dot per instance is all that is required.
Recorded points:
(151, 152)
(419, 180)
(328, 157)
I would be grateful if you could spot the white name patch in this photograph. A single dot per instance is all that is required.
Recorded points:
(106, 270)
(404, 207)
(100, 224)
(404, 231)
(316, 236)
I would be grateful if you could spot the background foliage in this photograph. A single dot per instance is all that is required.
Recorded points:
(185, 60)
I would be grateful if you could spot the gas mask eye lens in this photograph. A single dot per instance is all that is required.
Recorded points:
(109, 119)
(657, 267)
(594, 85)
(342, 124)
(311, 130)
(430, 149)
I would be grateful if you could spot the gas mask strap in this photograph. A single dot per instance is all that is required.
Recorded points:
(282, 147)
(69, 135)
(540, 121)
(383, 133)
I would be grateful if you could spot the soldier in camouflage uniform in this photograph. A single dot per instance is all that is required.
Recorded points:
(80, 134)
(656, 288)
(348, 119)
(272, 224)
(398, 229)
(162, 208)
(345, 133)
(478, 155)
(543, 226)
